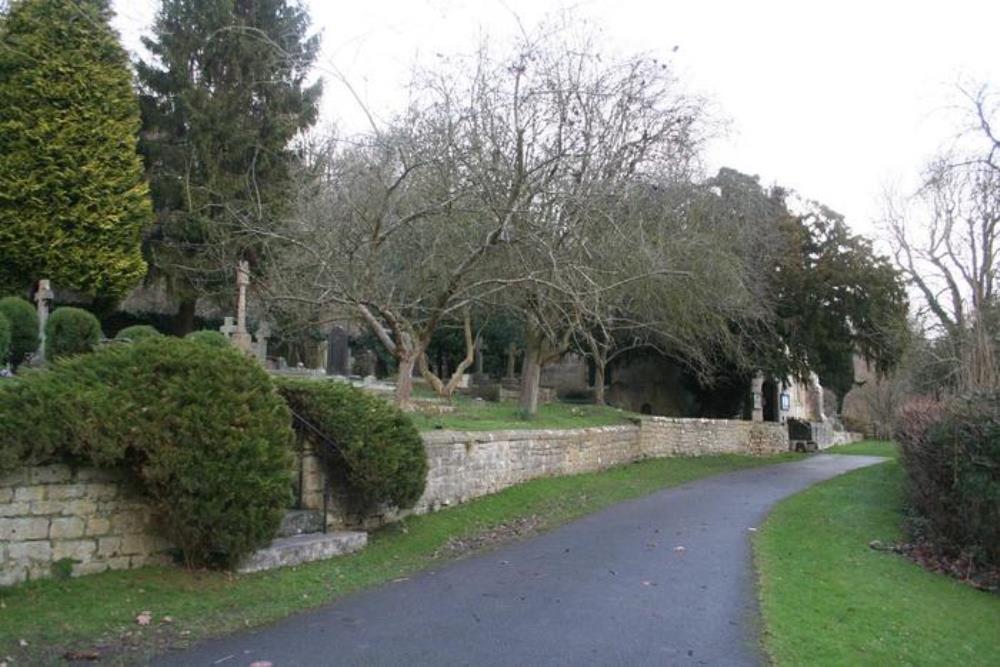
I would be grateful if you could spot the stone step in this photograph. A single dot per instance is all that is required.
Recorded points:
(299, 549)
(298, 522)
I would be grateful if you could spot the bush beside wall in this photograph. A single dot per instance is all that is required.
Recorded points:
(951, 454)
(383, 454)
(4, 339)
(200, 427)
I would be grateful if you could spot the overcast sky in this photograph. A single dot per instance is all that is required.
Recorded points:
(833, 99)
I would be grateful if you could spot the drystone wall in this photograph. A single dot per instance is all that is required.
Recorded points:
(54, 519)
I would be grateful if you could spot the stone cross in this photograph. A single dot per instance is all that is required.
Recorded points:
(42, 297)
(241, 337)
(228, 328)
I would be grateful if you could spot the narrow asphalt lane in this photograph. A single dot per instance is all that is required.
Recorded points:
(666, 579)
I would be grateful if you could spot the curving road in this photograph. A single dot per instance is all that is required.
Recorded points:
(663, 580)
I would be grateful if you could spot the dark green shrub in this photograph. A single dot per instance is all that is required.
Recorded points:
(202, 428)
(209, 337)
(4, 339)
(951, 454)
(23, 327)
(71, 331)
(137, 332)
(378, 445)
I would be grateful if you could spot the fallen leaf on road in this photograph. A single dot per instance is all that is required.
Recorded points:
(679, 549)
(752, 530)
(144, 618)
(22, 642)
(261, 663)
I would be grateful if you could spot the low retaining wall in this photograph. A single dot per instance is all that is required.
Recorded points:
(85, 520)
(93, 521)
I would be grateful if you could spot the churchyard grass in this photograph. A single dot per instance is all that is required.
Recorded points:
(828, 599)
(99, 612)
(477, 415)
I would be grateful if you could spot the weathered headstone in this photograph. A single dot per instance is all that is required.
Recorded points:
(262, 336)
(42, 297)
(338, 352)
(228, 328)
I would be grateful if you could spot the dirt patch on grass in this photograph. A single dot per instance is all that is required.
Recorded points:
(508, 531)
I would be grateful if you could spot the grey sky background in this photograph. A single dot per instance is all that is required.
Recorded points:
(833, 99)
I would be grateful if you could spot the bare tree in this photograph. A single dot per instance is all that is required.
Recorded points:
(946, 240)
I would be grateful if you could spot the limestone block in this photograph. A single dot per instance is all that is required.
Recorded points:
(98, 526)
(66, 491)
(68, 528)
(118, 563)
(12, 573)
(97, 475)
(6, 495)
(24, 529)
(89, 567)
(102, 491)
(38, 550)
(47, 507)
(109, 546)
(14, 509)
(137, 543)
(51, 474)
(14, 478)
(128, 522)
(81, 507)
(80, 550)
(29, 493)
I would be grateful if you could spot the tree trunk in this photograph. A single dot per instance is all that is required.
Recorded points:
(531, 378)
(599, 382)
(184, 319)
(404, 381)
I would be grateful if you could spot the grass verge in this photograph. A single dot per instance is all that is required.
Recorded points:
(473, 415)
(98, 612)
(827, 599)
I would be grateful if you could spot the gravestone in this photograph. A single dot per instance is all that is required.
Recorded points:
(260, 342)
(338, 352)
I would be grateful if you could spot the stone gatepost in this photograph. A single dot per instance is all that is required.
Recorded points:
(757, 394)
(42, 298)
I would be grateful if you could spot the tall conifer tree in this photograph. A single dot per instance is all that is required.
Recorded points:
(223, 97)
(73, 200)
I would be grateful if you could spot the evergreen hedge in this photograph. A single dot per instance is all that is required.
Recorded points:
(137, 332)
(71, 331)
(209, 337)
(202, 429)
(379, 446)
(4, 339)
(23, 322)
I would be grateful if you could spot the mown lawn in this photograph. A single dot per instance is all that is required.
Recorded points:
(828, 599)
(99, 611)
(473, 415)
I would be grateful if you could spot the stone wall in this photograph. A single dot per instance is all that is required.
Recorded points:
(86, 518)
(670, 436)
(93, 521)
(464, 465)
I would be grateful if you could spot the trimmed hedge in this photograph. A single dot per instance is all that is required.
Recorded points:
(209, 337)
(381, 449)
(4, 339)
(23, 327)
(202, 429)
(137, 332)
(71, 331)
(951, 454)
